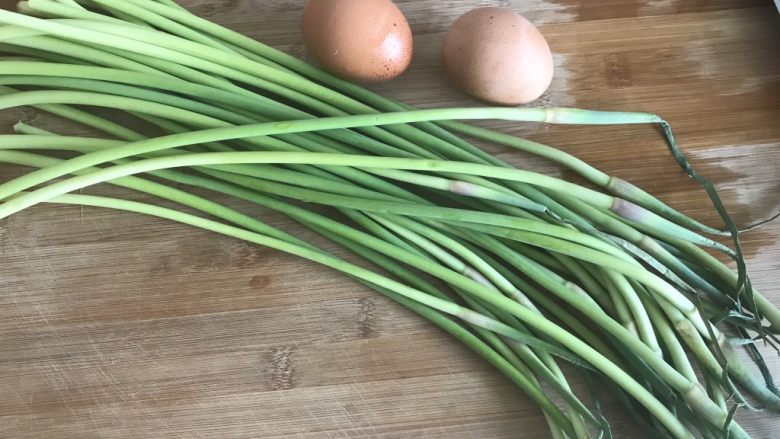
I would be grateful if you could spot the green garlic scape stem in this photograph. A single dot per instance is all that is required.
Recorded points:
(180, 42)
(75, 183)
(176, 13)
(297, 65)
(510, 304)
(259, 227)
(255, 45)
(93, 174)
(33, 139)
(635, 212)
(28, 66)
(539, 323)
(425, 139)
(548, 368)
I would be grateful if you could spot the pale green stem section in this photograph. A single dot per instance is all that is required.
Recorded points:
(644, 325)
(384, 104)
(539, 323)
(182, 47)
(159, 190)
(685, 393)
(75, 183)
(256, 226)
(659, 224)
(622, 310)
(587, 282)
(678, 356)
(707, 242)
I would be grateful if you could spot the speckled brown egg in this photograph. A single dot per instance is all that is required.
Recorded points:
(360, 40)
(498, 56)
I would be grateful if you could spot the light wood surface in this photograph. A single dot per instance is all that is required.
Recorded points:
(119, 326)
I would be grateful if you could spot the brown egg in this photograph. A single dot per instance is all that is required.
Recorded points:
(498, 56)
(361, 40)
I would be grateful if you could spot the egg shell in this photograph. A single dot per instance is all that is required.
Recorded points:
(498, 56)
(361, 40)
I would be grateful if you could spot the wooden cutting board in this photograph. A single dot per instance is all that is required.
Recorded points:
(114, 325)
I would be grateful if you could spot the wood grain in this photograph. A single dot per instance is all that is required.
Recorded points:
(115, 325)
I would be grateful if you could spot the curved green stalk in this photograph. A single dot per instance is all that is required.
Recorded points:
(541, 324)
(546, 365)
(90, 174)
(460, 187)
(168, 46)
(184, 48)
(689, 390)
(519, 312)
(384, 104)
(548, 304)
(443, 143)
(217, 134)
(643, 323)
(622, 310)
(425, 237)
(667, 335)
(555, 418)
(147, 165)
(584, 274)
(256, 226)
(233, 216)
(631, 210)
(61, 48)
(31, 55)
(19, 203)
(191, 48)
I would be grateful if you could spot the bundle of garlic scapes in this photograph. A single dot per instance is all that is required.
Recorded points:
(527, 270)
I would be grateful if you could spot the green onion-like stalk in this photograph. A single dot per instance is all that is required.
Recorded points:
(528, 267)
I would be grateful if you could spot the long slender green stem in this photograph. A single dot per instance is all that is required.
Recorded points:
(545, 364)
(75, 183)
(622, 310)
(586, 274)
(90, 174)
(678, 356)
(541, 324)
(644, 325)
(537, 327)
(258, 227)
(331, 123)
(264, 51)
(501, 347)
(385, 104)
(516, 251)
(629, 209)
